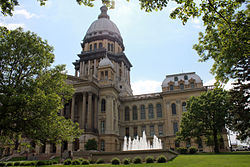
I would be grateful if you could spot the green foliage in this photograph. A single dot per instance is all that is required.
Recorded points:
(161, 159)
(192, 150)
(126, 161)
(91, 144)
(67, 162)
(92, 161)
(115, 161)
(137, 160)
(31, 92)
(43, 162)
(17, 159)
(206, 116)
(17, 163)
(182, 150)
(149, 159)
(100, 161)
(9, 164)
(76, 162)
(85, 162)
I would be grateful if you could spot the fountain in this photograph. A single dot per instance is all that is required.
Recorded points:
(141, 143)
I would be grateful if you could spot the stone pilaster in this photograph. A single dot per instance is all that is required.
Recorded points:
(82, 125)
(96, 112)
(73, 108)
(58, 148)
(47, 148)
(89, 118)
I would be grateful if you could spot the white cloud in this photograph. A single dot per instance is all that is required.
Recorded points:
(24, 13)
(196, 23)
(12, 26)
(146, 86)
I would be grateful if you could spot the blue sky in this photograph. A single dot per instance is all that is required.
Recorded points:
(155, 44)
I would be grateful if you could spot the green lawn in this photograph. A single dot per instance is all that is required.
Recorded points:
(198, 160)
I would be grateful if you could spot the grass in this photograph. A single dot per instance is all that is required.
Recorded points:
(238, 159)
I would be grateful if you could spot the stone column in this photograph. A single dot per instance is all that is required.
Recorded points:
(58, 148)
(80, 69)
(83, 110)
(37, 148)
(73, 108)
(122, 76)
(96, 112)
(95, 68)
(47, 148)
(75, 72)
(83, 68)
(70, 146)
(88, 67)
(89, 117)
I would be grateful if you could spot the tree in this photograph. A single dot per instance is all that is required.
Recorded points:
(31, 92)
(206, 116)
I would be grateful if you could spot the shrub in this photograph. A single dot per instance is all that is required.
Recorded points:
(39, 163)
(182, 150)
(126, 161)
(192, 150)
(2, 163)
(137, 160)
(115, 161)
(91, 144)
(67, 162)
(76, 162)
(161, 159)
(100, 161)
(54, 162)
(9, 164)
(85, 162)
(92, 161)
(17, 163)
(149, 159)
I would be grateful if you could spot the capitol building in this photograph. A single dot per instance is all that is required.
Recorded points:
(104, 105)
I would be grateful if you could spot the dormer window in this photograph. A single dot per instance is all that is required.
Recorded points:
(171, 87)
(181, 86)
(175, 78)
(192, 84)
(185, 77)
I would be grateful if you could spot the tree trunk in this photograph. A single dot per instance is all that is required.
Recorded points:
(216, 145)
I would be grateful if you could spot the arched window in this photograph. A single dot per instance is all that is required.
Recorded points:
(159, 110)
(135, 114)
(102, 145)
(100, 45)
(109, 47)
(90, 47)
(143, 113)
(173, 106)
(150, 111)
(184, 107)
(95, 46)
(126, 113)
(103, 105)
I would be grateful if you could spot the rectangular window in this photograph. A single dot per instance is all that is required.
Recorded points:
(150, 111)
(135, 115)
(112, 47)
(106, 74)
(159, 111)
(175, 127)
(181, 86)
(152, 130)
(135, 132)
(143, 113)
(95, 46)
(127, 131)
(171, 87)
(102, 127)
(160, 130)
(192, 84)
